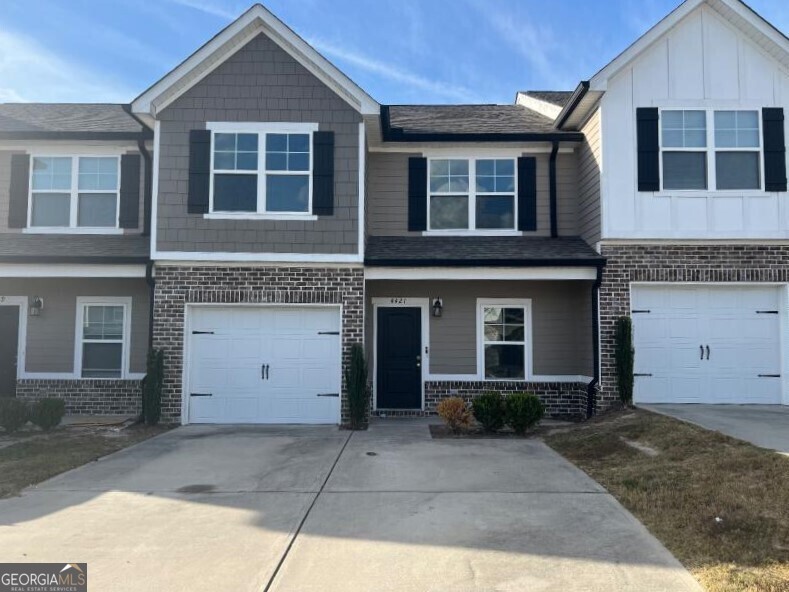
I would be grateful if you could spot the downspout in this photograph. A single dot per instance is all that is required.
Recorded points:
(591, 388)
(147, 186)
(552, 188)
(151, 281)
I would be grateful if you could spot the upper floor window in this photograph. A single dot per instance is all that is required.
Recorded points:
(261, 172)
(74, 192)
(472, 194)
(717, 150)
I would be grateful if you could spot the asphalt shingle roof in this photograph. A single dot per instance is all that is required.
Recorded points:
(554, 97)
(67, 117)
(468, 119)
(478, 250)
(76, 248)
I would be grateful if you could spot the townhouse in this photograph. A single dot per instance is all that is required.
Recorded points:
(255, 213)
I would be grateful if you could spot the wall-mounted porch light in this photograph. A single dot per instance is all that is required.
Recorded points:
(438, 307)
(36, 306)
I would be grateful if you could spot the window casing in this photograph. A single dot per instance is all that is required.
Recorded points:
(74, 192)
(103, 331)
(710, 150)
(261, 170)
(504, 344)
(468, 194)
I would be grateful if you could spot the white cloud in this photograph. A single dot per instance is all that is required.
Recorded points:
(29, 72)
(394, 73)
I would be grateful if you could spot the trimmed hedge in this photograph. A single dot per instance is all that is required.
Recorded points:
(13, 414)
(522, 411)
(488, 409)
(47, 413)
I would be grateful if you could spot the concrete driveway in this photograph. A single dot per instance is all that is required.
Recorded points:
(314, 509)
(766, 426)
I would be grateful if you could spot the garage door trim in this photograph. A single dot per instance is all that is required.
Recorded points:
(190, 306)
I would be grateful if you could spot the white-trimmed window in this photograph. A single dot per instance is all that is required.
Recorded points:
(715, 150)
(74, 192)
(504, 347)
(472, 194)
(261, 169)
(103, 331)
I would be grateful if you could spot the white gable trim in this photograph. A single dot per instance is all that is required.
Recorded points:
(253, 22)
(599, 81)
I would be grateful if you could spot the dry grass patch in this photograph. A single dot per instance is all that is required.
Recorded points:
(36, 458)
(721, 506)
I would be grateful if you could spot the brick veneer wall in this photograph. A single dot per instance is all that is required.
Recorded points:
(85, 396)
(177, 286)
(562, 400)
(674, 263)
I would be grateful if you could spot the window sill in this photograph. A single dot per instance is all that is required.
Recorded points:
(472, 233)
(252, 216)
(710, 193)
(64, 230)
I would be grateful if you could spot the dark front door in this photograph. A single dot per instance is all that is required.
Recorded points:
(9, 343)
(399, 360)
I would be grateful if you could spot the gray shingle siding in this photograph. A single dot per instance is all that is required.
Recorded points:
(259, 83)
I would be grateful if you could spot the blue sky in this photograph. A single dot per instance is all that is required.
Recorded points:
(400, 51)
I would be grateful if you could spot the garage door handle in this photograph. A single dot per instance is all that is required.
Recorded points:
(708, 352)
(701, 347)
(201, 394)
(328, 394)
(769, 376)
(637, 374)
(264, 372)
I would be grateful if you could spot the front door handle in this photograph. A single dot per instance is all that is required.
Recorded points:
(264, 372)
(708, 352)
(701, 347)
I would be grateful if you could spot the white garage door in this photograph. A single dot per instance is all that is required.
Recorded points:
(264, 365)
(703, 344)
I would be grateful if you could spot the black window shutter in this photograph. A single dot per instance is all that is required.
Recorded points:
(199, 171)
(648, 149)
(774, 149)
(18, 190)
(129, 215)
(323, 173)
(417, 193)
(527, 193)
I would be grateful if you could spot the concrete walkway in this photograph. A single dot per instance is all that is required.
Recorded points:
(766, 426)
(314, 509)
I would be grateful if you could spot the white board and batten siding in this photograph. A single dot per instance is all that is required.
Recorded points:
(703, 62)
(715, 344)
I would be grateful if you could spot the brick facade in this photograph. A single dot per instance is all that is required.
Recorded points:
(562, 400)
(177, 286)
(674, 263)
(85, 396)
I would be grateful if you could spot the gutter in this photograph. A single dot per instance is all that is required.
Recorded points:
(552, 189)
(575, 99)
(146, 134)
(500, 262)
(591, 388)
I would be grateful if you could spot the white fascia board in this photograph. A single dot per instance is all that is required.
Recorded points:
(67, 270)
(480, 273)
(259, 20)
(306, 258)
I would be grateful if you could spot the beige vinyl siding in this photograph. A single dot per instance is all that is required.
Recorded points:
(561, 318)
(51, 336)
(387, 194)
(590, 156)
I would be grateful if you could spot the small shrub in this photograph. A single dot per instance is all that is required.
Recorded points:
(454, 411)
(522, 411)
(488, 409)
(13, 414)
(356, 383)
(47, 413)
(152, 387)
(623, 357)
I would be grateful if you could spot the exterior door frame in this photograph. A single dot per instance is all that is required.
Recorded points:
(21, 339)
(403, 302)
(185, 365)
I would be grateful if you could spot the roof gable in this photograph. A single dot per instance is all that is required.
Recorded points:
(236, 35)
(770, 39)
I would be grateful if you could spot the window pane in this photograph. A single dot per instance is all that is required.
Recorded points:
(225, 142)
(298, 161)
(493, 314)
(504, 361)
(495, 175)
(51, 173)
(449, 212)
(276, 142)
(97, 209)
(276, 161)
(287, 193)
(51, 209)
(235, 152)
(449, 175)
(247, 142)
(288, 152)
(513, 316)
(737, 170)
(495, 211)
(235, 193)
(298, 143)
(737, 129)
(247, 161)
(102, 360)
(98, 173)
(684, 129)
(494, 332)
(103, 322)
(224, 161)
(684, 170)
